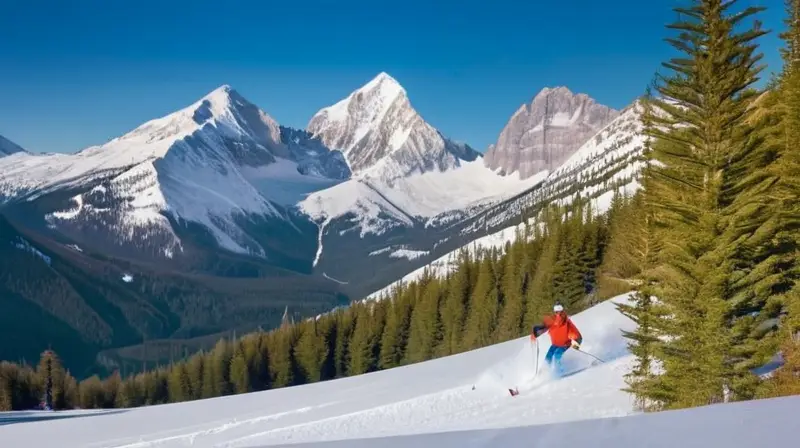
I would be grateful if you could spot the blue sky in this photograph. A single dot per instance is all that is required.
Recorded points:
(78, 73)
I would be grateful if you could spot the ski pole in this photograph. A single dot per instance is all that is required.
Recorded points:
(595, 357)
(535, 356)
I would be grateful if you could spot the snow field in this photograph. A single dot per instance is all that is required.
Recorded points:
(744, 424)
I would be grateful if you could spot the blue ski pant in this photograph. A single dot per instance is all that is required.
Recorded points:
(555, 353)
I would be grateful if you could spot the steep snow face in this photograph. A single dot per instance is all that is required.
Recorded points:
(7, 147)
(193, 164)
(382, 136)
(545, 133)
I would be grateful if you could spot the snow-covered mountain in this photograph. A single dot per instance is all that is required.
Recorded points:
(453, 401)
(209, 164)
(383, 137)
(7, 147)
(541, 135)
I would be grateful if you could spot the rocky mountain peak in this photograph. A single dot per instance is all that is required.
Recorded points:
(543, 134)
(381, 135)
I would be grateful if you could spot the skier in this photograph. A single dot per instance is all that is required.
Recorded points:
(563, 335)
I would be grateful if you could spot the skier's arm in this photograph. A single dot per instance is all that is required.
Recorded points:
(538, 330)
(574, 334)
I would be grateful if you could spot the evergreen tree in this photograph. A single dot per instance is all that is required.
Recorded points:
(395, 333)
(196, 371)
(210, 381)
(7, 385)
(425, 331)
(259, 362)
(178, 383)
(311, 352)
(513, 291)
(220, 366)
(639, 249)
(156, 388)
(364, 345)
(131, 392)
(281, 355)
(484, 303)
(456, 300)
(344, 328)
(112, 388)
(782, 128)
(327, 327)
(240, 371)
(541, 294)
(51, 370)
(90, 395)
(703, 190)
(568, 276)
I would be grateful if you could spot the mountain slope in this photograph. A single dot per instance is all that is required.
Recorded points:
(7, 147)
(443, 400)
(541, 135)
(60, 294)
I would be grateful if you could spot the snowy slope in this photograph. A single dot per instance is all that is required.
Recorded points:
(7, 147)
(378, 205)
(460, 400)
(427, 397)
(747, 424)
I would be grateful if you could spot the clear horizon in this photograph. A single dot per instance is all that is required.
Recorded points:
(90, 71)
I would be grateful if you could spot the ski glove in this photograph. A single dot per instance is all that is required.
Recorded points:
(575, 345)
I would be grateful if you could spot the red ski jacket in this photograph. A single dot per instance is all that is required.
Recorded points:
(561, 330)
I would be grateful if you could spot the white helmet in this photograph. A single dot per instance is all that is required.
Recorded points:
(558, 308)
